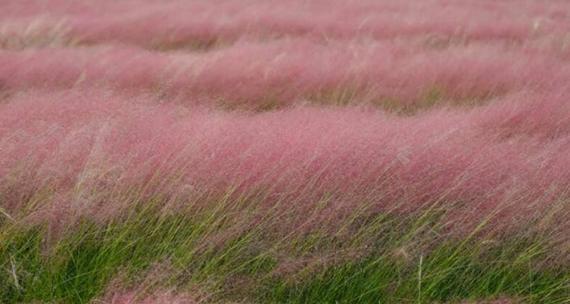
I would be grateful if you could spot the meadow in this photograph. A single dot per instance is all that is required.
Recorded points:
(285, 151)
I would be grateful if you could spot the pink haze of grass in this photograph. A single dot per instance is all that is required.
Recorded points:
(152, 23)
(254, 75)
(318, 113)
(133, 95)
(132, 297)
(486, 158)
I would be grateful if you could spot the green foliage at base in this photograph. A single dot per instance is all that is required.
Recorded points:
(177, 251)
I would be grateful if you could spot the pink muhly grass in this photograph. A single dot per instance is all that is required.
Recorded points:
(500, 300)
(143, 22)
(82, 141)
(262, 76)
(132, 297)
(311, 133)
(37, 31)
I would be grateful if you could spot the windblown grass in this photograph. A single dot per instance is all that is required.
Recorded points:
(284, 151)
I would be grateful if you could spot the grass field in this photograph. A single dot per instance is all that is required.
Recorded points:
(285, 151)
